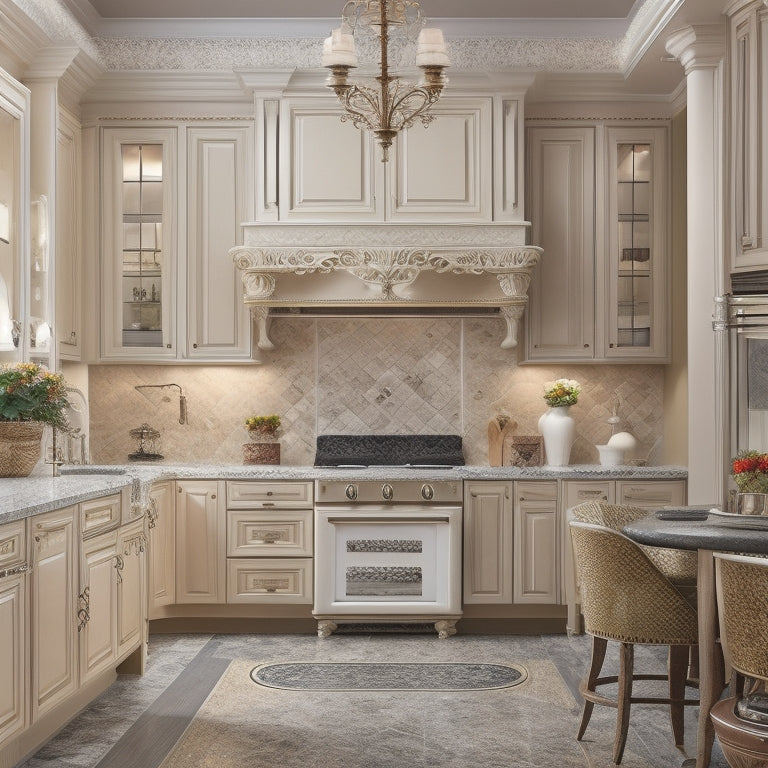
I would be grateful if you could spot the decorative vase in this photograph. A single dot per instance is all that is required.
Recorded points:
(558, 430)
(19, 447)
(752, 504)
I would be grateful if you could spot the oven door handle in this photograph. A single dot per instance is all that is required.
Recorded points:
(375, 520)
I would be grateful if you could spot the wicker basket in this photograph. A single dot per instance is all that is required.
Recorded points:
(19, 447)
(261, 453)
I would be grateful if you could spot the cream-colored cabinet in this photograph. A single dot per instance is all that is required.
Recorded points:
(200, 541)
(601, 292)
(270, 542)
(748, 118)
(536, 543)
(330, 170)
(56, 608)
(488, 536)
(651, 494)
(14, 629)
(97, 613)
(161, 524)
(131, 587)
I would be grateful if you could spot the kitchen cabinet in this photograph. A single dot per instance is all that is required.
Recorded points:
(55, 609)
(269, 542)
(488, 536)
(331, 171)
(131, 569)
(597, 201)
(536, 543)
(200, 541)
(161, 524)
(748, 122)
(14, 629)
(174, 198)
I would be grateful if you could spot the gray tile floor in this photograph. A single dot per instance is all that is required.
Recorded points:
(137, 721)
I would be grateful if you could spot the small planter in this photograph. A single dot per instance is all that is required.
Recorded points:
(264, 434)
(19, 447)
(261, 453)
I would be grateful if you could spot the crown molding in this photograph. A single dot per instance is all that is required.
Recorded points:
(647, 25)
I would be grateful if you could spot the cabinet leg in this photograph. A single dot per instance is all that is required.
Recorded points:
(326, 628)
(445, 628)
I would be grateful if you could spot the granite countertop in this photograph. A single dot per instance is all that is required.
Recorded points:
(25, 496)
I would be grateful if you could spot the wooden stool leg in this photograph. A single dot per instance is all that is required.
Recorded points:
(626, 667)
(676, 671)
(599, 646)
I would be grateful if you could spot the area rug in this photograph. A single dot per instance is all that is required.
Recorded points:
(388, 676)
(530, 725)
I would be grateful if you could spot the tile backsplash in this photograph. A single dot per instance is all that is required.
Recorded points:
(373, 375)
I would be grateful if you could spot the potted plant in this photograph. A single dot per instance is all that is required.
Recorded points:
(30, 398)
(750, 473)
(263, 449)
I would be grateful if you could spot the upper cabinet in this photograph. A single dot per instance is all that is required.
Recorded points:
(597, 203)
(172, 204)
(748, 123)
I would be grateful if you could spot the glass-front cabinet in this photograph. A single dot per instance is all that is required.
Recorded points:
(637, 243)
(137, 252)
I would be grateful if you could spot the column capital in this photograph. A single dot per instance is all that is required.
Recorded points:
(699, 46)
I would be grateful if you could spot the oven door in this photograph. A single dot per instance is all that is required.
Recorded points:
(371, 559)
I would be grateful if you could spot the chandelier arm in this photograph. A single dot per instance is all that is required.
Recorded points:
(359, 102)
(400, 106)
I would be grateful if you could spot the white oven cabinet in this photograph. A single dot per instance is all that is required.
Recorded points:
(14, 629)
(603, 289)
(54, 608)
(536, 543)
(270, 542)
(161, 525)
(200, 541)
(488, 532)
(332, 171)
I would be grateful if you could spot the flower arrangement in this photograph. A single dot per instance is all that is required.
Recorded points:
(750, 472)
(267, 424)
(29, 392)
(561, 392)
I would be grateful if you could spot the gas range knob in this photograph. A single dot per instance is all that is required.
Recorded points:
(427, 492)
(387, 492)
(351, 492)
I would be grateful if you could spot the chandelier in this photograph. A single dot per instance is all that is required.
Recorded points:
(392, 104)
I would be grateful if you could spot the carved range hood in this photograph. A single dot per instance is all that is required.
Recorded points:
(386, 266)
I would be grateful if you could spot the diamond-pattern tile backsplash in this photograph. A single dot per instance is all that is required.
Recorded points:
(375, 375)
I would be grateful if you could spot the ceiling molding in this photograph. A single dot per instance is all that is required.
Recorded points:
(647, 25)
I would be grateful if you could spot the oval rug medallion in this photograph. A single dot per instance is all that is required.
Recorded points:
(387, 676)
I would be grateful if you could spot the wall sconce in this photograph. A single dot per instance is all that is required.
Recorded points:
(5, 223)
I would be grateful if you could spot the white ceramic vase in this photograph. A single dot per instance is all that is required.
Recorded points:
(558, 429)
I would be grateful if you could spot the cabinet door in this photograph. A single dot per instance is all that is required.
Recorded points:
(162, 546)
(139, 184)
(200, 542)
(98, 588)
(14, 667)
(561, 200)
(131, 588)
(219, 173)
(537, 546)
(651, 493)
(423, 184)
(327, 167)
(637, 293)
(487, 542)
(54, 609)
(69, 297)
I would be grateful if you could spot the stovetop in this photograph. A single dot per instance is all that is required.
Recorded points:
(414, 451)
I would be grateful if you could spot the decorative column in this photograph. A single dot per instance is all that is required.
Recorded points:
(700, 49)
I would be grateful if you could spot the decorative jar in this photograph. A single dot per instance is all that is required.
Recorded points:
(558, 429)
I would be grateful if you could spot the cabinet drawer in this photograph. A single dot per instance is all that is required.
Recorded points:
(285, 495)
(266, 533)
(580, 491)
(13, 550)
(651, 493)
(536, 491)
(99, 515)
(267, 580)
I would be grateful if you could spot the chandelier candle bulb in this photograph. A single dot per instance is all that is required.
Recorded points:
(430, 51)
(339, 50)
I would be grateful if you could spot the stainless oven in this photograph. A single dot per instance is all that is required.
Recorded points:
(388, 552)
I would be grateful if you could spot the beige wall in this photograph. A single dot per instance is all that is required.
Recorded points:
(343, 375)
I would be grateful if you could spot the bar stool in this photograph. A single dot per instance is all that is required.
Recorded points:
(627, 599)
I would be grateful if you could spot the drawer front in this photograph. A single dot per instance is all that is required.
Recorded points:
(265, 533)
(536, 490)
(99, 515)
(651, 493)
(580, 491)
(13, 550)
(250, 495)
(267, 580)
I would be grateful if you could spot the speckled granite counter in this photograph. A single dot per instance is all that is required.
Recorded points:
(23, 497)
